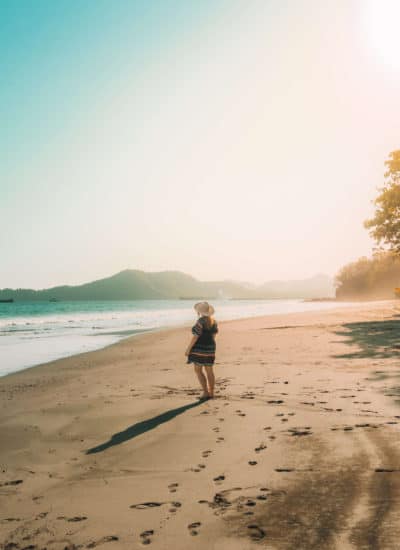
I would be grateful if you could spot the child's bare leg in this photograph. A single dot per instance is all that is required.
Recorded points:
(202, 378)
(210, 380)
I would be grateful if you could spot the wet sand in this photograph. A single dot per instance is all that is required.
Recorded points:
(300, 449)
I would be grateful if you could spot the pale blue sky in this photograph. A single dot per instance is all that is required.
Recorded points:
(223, 138)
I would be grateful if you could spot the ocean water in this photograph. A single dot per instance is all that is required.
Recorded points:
(32, 333)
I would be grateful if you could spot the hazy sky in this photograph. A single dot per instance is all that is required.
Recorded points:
(224, 138)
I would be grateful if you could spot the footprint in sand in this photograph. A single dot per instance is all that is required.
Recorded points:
(261, 447)
(109, 538)
(193, 528)
(73, 519)
(299, 433)
(14, 482)
(175, 506)
(256, 533)
(252, 462)
(144, 505)
(206, 454)
(145, 536)
(173, 487)
(219, 478)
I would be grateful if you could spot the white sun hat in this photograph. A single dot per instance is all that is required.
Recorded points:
(204, 308)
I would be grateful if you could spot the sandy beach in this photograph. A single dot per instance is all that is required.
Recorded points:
(300, 448)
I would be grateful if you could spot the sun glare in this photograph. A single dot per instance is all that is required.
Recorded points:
(382, 22)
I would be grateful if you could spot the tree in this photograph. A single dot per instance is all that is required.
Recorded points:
(369, 278)
(385, 225)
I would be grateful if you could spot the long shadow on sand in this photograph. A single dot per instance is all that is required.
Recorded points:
(141, 427)
(380, 339)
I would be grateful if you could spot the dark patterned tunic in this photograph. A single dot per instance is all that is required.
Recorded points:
(203, 351)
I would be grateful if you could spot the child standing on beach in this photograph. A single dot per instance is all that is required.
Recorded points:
(201, 349)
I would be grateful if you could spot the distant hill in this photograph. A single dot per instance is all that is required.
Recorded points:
(314, 287)
(133, 284)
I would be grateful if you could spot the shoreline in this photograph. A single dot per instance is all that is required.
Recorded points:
(305, 426)
(134, 333)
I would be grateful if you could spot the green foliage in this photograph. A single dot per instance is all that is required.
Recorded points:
(369, 278)
(385, 225)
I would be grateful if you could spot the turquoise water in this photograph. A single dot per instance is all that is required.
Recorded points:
(36, 332)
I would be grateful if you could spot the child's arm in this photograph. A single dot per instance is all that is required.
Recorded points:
(191, 344)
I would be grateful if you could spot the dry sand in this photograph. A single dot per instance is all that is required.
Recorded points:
(300, 449)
